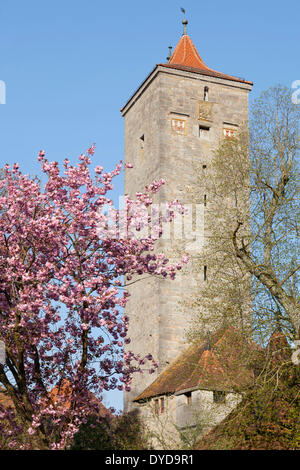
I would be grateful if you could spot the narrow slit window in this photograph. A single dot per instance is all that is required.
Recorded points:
(205, 96)
(142, 143)
(162, 405)
(156, 407)
(205, 273)
(204, 200)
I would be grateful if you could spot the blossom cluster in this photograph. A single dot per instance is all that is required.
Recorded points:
(62, 293)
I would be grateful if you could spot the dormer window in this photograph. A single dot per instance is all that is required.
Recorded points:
(188, 396)
(219, 396)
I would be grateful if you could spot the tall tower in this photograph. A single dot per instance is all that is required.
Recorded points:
(173, 121)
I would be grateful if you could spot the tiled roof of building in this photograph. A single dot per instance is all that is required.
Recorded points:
(208, 374)
(278, 348)
(185, 53)
(226, 365)
(65, 391)
(5, 399)
(208, 72)
(186, 57)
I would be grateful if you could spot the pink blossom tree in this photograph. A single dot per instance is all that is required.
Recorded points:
(63, 274)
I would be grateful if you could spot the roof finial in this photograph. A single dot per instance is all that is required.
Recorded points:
(184, 22)
(170, 53)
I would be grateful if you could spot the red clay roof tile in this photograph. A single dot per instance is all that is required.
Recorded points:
(208, 374)
(186, 54)
(226, 366)
(186, 57)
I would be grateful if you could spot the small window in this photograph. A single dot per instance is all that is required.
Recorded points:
(188, 396)
(156, 407)
(205, 273)
(162, 405)
(204, 132)
(204, 200)
(204, 167)
(142, 143)
(219, 396)
(205, 96)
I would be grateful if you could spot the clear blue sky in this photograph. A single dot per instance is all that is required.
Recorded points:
(70, 65)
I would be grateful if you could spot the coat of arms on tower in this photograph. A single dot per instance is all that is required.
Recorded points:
(205, 110)
(229, 133)
(179, 126)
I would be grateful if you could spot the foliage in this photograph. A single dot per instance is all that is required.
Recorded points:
(124, 432)
(252, 224)
(268, 416)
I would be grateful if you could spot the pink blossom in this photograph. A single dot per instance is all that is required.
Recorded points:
(61, 291)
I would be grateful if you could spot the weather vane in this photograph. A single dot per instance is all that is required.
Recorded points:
(184, 21)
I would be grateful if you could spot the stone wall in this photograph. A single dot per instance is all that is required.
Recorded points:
(157, 150)
(181, 423)
(203, 412)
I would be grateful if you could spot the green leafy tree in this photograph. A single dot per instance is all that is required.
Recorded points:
(253, 223)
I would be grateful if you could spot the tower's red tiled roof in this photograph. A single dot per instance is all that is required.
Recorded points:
(186, 57)
(186, 54)
(208, 72)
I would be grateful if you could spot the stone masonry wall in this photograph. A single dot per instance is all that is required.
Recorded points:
(157, 319)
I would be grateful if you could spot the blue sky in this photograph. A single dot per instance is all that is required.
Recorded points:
(69, 65)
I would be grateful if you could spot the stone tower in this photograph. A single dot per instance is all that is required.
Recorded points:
(175, 119)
